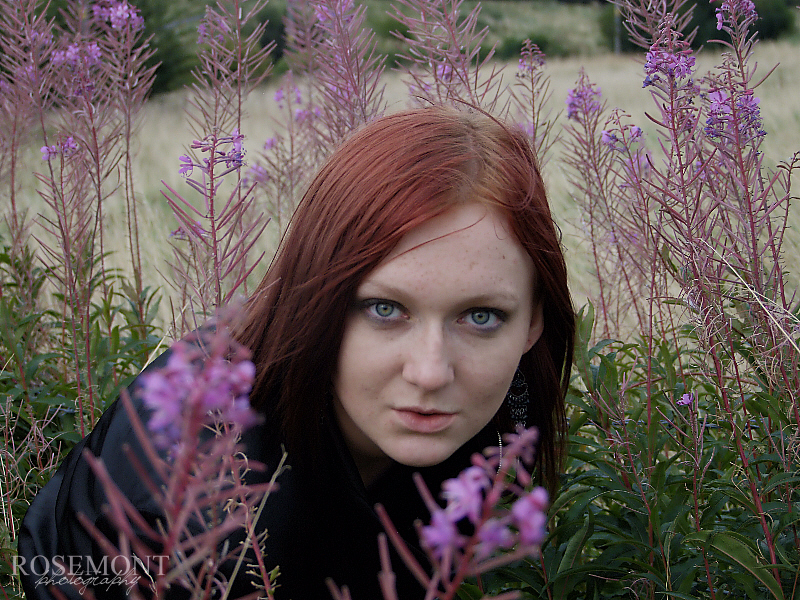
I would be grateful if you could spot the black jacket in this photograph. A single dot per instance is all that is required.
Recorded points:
(318, 527)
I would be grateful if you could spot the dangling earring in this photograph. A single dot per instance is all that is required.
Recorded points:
(518, 398)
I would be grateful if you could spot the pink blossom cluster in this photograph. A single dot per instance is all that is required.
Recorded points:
(78, 56)
(735, 10)
(67, 147)
(677, 64)
(280, 95)
(232, 156)
(255, 174)
(583, 100)
(531, 59)
(444, 72)
(630, 134)
(737, 118)
(193, 390)
(118, 14)
(474, 496)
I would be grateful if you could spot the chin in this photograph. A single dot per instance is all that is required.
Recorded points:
(420, 457)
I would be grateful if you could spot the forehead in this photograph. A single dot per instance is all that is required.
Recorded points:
(467, 247)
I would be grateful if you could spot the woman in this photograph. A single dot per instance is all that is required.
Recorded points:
(421, 275)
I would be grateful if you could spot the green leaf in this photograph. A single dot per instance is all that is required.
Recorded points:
(468, 591)
(571, 554)
(740, 553)
(781, 479)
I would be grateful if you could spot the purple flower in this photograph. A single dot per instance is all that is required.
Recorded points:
(725, 122)
(531, 60)
(444, 72)
(298, 96)
(202, 33)
(255, 174)
(441, 535)
(212, 27)
(733, 11)
(234, 159)
(49, 152)
(650, 80)
(187, 164)
(279, 97)
(269, 144)
(528, 513)
(164, 392)
(493, 534)
(686, 400)
(224, 381)
(69, 146)
(671, 63)
(190, 387)
(236, 140)
(638, 165)
(522, 443)
(608, 139)
(323, 14)
(528, 128)
(583, 100)
(119, 14)
(464, 494)
(78, 56)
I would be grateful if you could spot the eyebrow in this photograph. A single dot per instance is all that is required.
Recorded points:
(483, 298)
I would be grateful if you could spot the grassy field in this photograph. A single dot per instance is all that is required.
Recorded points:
(164, 134)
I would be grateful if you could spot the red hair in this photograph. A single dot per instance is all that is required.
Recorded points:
(387, 178)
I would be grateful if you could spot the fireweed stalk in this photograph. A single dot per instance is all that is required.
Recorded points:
(348, 71)
(333, 86)
(197, 407)
(222, 231)
(598, 149)
(122, 27)
(530, 97)
(443, 63)
(287, 161)
(82, 167)
(481, 527)
(215, 264)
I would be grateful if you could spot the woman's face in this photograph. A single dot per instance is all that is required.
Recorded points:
(433, 339)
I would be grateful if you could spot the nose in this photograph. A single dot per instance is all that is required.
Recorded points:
(427, 363)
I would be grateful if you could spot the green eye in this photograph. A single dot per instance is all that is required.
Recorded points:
(481, 317)
(383, 309)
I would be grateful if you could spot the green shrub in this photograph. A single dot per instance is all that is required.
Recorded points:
(509, 47)
(273, 15)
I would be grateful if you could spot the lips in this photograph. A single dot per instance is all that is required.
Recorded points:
(423, 420)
